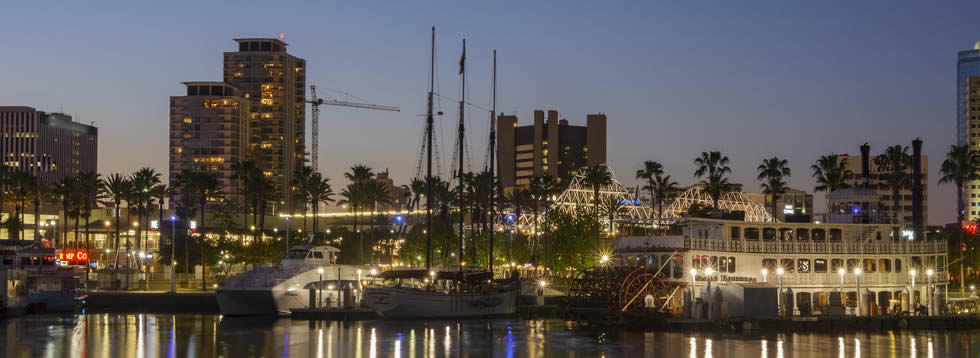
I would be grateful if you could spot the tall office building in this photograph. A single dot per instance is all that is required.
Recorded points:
(879, 184)
(971, 113)
(47, 144)
(549, 146)
(967, 65)
(274, 82)
(209, 131)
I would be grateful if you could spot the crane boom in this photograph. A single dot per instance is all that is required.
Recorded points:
(315, 102)
(379, 107)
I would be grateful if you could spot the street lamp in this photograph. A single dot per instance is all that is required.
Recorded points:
(929, 298)
(319, 285)
(694, 285)
(765, 275)
(779, 274)
(912, 293)
(173, 260)
(841, 271)
(857, 287)
(287, 235)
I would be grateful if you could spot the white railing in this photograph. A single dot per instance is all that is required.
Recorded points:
(792, 247)
(867, 279)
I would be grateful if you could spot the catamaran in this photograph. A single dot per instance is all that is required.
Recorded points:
(277, 290)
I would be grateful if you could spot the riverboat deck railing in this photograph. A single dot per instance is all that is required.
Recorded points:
(793, 247)
(867, 279)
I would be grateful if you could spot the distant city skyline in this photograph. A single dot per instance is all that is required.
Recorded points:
(795, 80)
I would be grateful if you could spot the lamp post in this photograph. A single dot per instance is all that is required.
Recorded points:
(319, 285)
(929, 298)
(287, 235)
(912, 293)
(841, 272)
(765, 275)
(694, 285)
(173, 260)
(779, 299)
(857, 287)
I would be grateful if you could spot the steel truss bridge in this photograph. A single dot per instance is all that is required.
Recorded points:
(579, 196)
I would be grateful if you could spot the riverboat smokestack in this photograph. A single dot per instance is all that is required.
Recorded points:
(865, 164)
(917, 219)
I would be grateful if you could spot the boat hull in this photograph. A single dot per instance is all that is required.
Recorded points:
(247, 302)
(54, 301)
(402, 303)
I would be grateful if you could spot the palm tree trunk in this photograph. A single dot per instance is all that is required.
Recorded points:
(88, 249)
(959, 231)
(75, 235)
(595, 214)
(773, 207)
(374, 206)
(115, 260)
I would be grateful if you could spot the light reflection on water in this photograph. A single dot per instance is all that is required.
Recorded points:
(186, 335)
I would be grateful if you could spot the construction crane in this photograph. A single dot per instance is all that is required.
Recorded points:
(316, 102)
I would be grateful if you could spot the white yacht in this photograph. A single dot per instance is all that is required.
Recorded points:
(276, 290)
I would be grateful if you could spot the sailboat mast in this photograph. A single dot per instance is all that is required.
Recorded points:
(462, 146)
(429, 182)
(493, 143)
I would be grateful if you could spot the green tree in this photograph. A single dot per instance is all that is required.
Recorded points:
(961, 165)
(830, 172)
(203, 187)
(143, 181)
(543, 188)
(771, 173)
(894, 164)
(596, 176)
(89, 185)
(65, 190)
(115, 188)
(713, 168)
(318, 191)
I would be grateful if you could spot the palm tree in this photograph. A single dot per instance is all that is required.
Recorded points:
(115, 188)
(302, 181)
(22, 188)
(202, 186)
(375, 193)
(662, 186)
(649, 172)
(596, 176)
(143, 181)
(831, 173)
(317, 190)
(417, 187)
(771, 173)
(162, 192)
(611, 207)
(246, 172)
(659, 184)
(713, 167)
(961, 165)
(894, 163)
(65, 191)
(542, 189)
(89, 185)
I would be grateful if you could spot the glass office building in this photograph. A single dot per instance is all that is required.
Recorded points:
(967, 65)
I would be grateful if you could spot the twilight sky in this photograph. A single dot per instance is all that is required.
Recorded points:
(752, 79)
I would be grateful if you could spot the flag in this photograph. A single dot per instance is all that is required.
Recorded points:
(462, 59)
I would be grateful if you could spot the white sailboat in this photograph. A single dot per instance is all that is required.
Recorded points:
(443, 294)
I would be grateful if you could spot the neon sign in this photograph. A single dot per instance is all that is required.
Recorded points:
(970, 228)
(72, 257)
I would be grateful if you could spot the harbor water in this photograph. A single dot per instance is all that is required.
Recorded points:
(207, 335)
